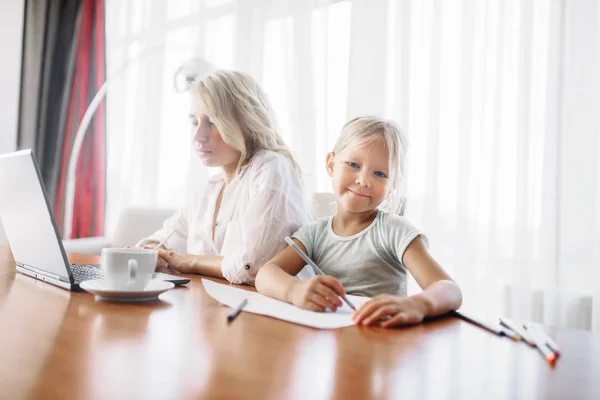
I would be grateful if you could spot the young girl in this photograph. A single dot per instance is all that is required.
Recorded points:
(364, 249)
(239, 219)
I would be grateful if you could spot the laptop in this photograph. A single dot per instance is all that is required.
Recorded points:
(31, 230)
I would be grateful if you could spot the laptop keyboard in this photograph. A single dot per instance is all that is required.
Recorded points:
(86, 272)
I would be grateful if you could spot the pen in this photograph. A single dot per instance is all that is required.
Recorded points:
(164, 240)
(516, 329)
(551, 343)
(539, 338)
(310, 262)
(236, 311)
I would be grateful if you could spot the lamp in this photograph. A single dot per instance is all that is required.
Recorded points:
(182, 79)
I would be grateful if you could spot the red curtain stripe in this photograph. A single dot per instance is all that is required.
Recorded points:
(88, 77)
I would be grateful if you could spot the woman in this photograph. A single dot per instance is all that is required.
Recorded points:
(240, 217)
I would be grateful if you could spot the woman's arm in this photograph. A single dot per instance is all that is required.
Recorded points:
(440, 293)
(272, 208)
(192, 263)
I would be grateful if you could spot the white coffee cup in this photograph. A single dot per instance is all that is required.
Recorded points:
(128, 269)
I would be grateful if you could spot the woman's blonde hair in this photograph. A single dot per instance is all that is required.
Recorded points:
(363, 131)
(239, 108)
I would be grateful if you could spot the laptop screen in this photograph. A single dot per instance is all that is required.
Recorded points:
(27, 218)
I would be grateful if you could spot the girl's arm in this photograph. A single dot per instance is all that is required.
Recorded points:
(440, 293)
(277, 279)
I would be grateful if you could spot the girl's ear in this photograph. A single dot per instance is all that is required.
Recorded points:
(329, 161)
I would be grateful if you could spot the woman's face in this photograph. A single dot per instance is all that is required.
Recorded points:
(209, 144)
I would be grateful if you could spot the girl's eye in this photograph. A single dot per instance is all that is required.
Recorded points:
(210, 124)
(353, 164)
(194, 122)
(380, 174)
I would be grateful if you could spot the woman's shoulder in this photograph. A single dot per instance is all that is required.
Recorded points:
(269, 158)
(272, 166)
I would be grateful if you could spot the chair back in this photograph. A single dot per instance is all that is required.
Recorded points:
(136, 223)
(323, 205)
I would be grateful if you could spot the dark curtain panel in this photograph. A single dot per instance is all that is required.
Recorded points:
(63, 67)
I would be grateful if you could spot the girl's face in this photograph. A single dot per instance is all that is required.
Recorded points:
(209, 144)
(360, 176)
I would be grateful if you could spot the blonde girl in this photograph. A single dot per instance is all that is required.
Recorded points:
(367, 247)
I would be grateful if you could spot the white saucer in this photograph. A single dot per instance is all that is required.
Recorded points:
(100, 289)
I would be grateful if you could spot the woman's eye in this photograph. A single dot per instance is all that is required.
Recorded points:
(380, 174)
(353, 164)
(210, 124)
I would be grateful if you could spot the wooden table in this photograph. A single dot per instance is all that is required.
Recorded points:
(59, 344)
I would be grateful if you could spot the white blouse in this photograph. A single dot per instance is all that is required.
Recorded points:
(260, 206)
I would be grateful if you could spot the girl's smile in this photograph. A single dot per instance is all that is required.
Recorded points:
(358, 194)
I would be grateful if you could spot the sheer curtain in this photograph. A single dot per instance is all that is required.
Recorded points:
(499, 101)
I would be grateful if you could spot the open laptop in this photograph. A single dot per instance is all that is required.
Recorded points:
(31, 230)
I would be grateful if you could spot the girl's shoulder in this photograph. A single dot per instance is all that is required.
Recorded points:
(314, 228)
(390, 221)
(398, 228)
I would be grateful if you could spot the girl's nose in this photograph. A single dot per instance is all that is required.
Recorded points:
(363, 179)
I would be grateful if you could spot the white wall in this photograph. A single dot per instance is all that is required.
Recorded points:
(11, 35)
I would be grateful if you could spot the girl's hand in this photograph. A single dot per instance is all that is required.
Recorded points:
(390, 311)
(317, 293)
(181, 262)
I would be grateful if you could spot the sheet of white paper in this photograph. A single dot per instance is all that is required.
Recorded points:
(259, 304)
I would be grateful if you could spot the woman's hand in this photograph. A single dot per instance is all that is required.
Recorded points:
(181, 262)
(160, 263)
(391, 311)
(317, 293)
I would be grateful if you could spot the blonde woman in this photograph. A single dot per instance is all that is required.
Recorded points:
(239, 219)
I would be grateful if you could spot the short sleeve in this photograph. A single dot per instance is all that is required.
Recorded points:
(306, 236)
(401, 233)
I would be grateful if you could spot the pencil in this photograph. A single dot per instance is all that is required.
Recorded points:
(236, 311)
(310, 262)
(510, 334)
(497, 330)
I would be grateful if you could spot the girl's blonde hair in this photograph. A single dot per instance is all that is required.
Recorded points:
(239, 108)
(366, 130)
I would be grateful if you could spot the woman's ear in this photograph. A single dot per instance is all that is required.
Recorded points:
(329, 161)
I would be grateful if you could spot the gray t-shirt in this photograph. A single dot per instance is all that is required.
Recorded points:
(368, 263)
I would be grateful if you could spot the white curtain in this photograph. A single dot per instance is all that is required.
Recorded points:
(499, 100)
